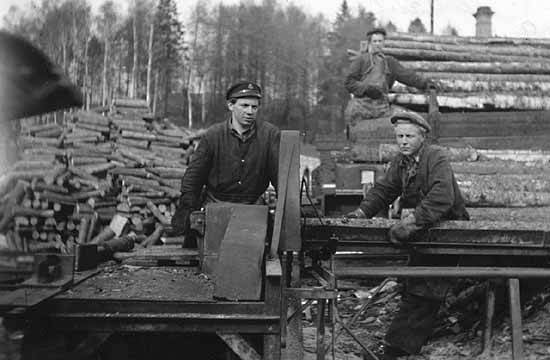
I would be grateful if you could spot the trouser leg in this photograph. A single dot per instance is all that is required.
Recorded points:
(413, 324)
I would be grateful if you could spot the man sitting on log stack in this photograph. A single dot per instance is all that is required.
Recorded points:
(235, 160)
(422, 176)
(370, 77)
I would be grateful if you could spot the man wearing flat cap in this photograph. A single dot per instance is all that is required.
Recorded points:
(422, 177)
(235, 160)
(371, 75)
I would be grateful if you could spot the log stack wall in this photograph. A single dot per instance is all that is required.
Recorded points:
(72, 180)
(473, 73)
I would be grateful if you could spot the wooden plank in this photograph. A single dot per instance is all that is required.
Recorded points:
(290, 231)
(217, 218)
(515, 315)
(443, 272)
(489, 315)
(286, 154)
(238, 275)
(239, 346)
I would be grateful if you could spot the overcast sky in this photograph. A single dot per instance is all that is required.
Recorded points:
(516, 18)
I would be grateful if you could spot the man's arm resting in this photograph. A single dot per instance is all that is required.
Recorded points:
(191, 186)
(353, 77)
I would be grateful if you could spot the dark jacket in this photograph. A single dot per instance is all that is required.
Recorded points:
(433, 191)
(395, 71)
(232, 170)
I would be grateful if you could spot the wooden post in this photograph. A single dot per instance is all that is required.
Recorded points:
(515, 316)
(320, 329)
(489, 314)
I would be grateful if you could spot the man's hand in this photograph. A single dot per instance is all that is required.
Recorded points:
(356, 214)
(403, 230)
(374, 92)
(181, 222)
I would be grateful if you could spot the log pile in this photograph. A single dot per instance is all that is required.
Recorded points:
(487, 178)
(93, 179)
(492, 73)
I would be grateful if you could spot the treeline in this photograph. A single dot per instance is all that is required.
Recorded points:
(142, 49)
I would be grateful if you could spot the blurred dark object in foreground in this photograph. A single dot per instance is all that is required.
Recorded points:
(30, 84)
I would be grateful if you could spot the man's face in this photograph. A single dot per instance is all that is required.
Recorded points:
(376, 43)
(409, 138)
(244, 111)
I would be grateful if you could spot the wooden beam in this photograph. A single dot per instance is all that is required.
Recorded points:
(445, 272)
(240, 346)
(515, 316)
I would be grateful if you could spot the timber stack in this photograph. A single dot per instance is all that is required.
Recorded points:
(92, 179)
(493, 121)
(474, 73)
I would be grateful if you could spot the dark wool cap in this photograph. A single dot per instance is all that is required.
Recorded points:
(244, 89)
(378, 30)
(412, 118)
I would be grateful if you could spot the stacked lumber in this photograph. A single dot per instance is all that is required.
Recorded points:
(473, 73)
(94, 179)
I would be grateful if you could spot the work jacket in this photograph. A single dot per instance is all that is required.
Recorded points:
(431, 189)
(394, 71)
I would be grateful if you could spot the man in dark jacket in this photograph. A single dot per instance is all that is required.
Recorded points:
(235, 160)
(422, 177)
(371, 75)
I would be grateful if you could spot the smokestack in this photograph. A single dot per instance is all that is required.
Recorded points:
(483, 17)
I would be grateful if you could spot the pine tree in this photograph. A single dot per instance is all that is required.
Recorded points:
(168, 49)
(417, 27)
(390, 27)
(449, 30)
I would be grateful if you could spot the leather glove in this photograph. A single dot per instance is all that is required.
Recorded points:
(181, 221)
(403, 231)
(356, 214)
(374, 92)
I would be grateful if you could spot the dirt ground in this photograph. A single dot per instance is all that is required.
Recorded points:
(458, 335)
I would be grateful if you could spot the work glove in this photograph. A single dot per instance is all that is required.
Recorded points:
(374, 92)
(403, 231)
(356, 214)
(181, 221)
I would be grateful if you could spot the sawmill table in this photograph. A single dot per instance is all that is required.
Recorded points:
(130, 299)
(492, 244)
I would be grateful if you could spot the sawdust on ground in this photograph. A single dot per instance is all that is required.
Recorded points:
(456, 343)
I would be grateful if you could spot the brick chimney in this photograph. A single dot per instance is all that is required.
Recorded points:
(483, 17)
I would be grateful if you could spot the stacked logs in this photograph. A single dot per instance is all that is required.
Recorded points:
(74, 183)
(473, 73)
(487, 178)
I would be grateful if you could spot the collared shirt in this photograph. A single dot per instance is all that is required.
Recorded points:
(247, 134)
(232, 167)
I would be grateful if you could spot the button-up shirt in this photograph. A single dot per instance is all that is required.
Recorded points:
(230, 166)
